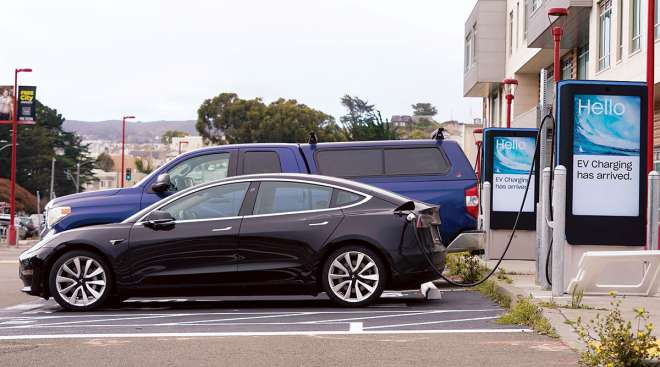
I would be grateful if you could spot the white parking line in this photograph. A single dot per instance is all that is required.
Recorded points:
(433, 312)
(431, 322)
(193, 322)
(273, 333)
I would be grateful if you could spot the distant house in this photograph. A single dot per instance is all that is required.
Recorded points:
(401, 120)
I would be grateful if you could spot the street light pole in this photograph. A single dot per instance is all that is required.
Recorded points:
(12, 183)
(123, 143)
(182, 142)
(509, 90)
(650, 84)
(78, 177)
(557, 33)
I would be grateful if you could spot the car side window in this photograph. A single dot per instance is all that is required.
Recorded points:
(350, 163)
(415, 161)
(343, 198)
(215, 202)
(199, 170)
(282, 197)
(261, 162)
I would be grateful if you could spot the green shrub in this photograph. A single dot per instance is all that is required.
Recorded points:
(470, 268)
(613, 341)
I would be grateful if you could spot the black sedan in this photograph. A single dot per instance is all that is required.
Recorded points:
(250, 235)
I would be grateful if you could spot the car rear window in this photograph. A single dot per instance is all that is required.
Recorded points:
(261, 162)
(343, 198)
(382, 162)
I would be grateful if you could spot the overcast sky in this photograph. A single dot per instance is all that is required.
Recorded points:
(158, 60)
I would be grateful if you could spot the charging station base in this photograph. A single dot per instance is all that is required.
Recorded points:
(523, 245)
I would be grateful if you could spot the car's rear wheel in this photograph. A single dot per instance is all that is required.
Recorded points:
(80, 281)
(354, 276)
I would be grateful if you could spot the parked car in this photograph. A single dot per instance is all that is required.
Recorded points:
(248, 235)
(433, 171)
(31, 230)
(21, 230)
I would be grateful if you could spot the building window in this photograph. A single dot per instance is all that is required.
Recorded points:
(635, 29)
(604, 34)
(567, 68)
(468, 51)
(495, 111)
(657, 17)
(474, 44)
(517, 25)
(583, 62)
(536, 4)
(510, 32)
(619, 30)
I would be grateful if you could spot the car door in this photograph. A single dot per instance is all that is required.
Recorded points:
(199, 249)
(290, 222)
(194, 170)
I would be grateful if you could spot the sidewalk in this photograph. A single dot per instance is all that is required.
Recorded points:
(523, 285)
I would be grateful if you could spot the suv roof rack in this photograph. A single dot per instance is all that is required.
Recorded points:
(438, 134)
(313, 139)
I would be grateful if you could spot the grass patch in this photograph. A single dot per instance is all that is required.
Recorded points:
(527, 313)
(489, 289)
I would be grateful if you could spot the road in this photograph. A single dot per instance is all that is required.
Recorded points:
(401, 329)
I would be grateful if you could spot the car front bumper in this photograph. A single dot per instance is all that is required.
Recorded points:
(30, 271)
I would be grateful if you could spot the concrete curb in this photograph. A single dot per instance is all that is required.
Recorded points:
(554, 316)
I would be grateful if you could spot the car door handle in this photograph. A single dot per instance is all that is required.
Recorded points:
(220, 229)
(318, 224)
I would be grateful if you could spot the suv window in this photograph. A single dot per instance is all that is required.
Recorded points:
(261, 162)
(198, 170)
(415, 161)
(215, 202)
(350, 163)
(282, 197)
(382, 162)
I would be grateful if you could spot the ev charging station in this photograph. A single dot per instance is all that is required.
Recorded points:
(508, 154)
(588, 203)
(600, 180)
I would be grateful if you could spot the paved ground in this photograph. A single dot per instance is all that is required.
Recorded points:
(401, 329)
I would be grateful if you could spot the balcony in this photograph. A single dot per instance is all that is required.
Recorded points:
(575, 25)
(485, 34)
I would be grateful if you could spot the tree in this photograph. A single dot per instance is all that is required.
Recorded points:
(104, 162)
(142, 168)
(36, 150)
(363, 121)
(424, 109)
(167, 136)
(252, 121)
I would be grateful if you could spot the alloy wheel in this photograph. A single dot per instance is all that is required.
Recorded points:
(353, 276)
(81, 281)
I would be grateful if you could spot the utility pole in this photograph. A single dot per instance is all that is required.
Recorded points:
(52, 179)
(77, 177)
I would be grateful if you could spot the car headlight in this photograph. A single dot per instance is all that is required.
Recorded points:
(54, 215)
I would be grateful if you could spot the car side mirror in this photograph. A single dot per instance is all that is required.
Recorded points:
(159, 219)
(162, 183)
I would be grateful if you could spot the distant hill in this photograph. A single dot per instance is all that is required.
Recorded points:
(136, 132)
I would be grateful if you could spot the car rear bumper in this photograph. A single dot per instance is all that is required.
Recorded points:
(413, 279)
(467, 241)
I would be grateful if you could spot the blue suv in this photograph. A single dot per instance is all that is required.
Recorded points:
(433, 171)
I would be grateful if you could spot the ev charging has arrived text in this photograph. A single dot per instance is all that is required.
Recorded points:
(596, 169)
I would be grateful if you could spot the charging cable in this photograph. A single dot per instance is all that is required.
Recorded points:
(513, 231)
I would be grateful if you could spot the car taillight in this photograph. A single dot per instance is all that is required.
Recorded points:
(472, 202)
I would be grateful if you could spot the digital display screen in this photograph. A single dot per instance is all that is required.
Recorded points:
(606, 155)
(512, 160)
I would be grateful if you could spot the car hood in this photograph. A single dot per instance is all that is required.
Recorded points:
(64, 200)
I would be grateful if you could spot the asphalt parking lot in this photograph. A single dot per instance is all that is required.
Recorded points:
(401, 329)
(397, 312)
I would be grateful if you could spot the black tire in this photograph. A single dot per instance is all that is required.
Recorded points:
(79, 282)
(355, 277)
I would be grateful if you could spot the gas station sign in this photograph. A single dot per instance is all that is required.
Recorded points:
(601, 130)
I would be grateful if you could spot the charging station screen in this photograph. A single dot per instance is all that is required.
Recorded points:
(512, 160)
(606, 155)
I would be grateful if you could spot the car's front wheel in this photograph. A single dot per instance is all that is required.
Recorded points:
(353, 276)
(80, 281)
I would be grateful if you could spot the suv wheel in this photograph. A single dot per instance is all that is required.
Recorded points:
(80, 281)
(353, 276)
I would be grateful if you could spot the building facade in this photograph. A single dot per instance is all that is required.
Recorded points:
(603, 40)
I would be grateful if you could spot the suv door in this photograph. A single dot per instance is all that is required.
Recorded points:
(193, 170)
(199, 250)
(290, 222)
